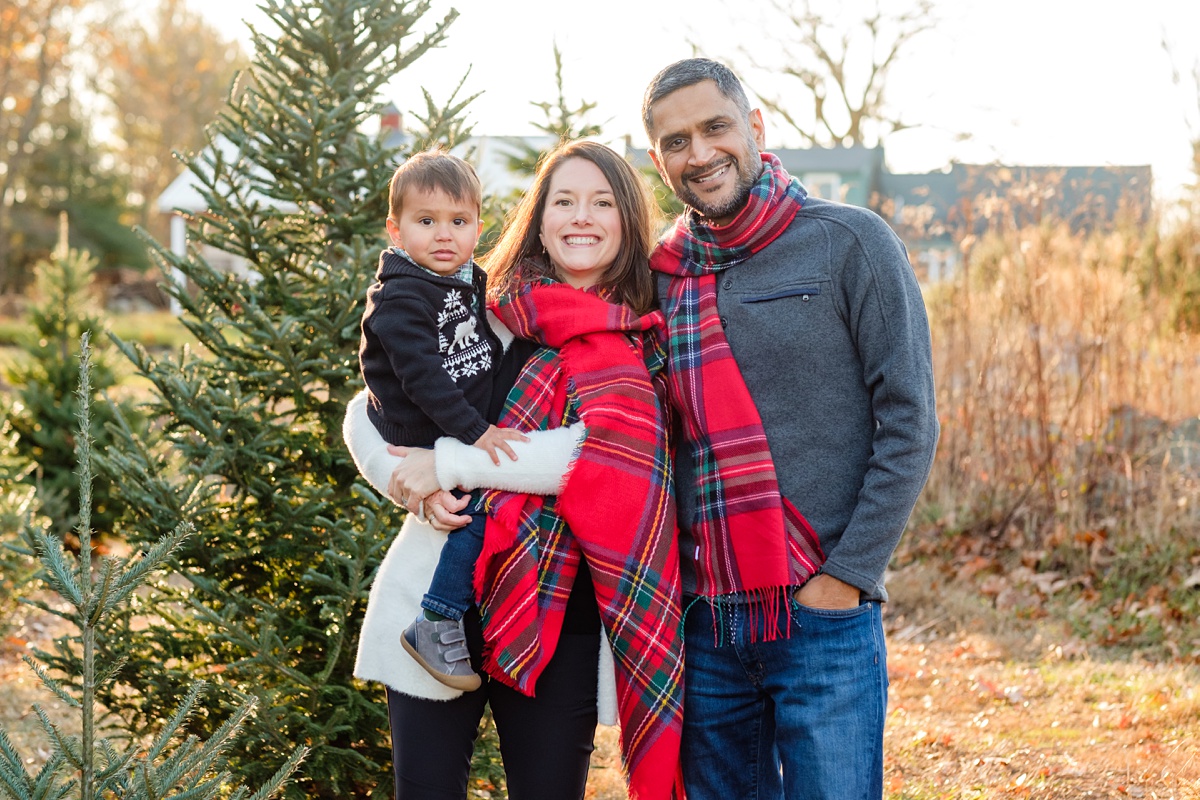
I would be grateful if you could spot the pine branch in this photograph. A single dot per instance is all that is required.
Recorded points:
(51, 684)
(68, 746)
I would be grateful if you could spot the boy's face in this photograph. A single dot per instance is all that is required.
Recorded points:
(437, 231)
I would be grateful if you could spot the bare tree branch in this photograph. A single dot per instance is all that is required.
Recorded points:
(842, 68)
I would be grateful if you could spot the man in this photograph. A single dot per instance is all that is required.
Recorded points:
(800, 365)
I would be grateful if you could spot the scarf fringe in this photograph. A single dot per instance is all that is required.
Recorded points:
(496, 671)
(763, 609)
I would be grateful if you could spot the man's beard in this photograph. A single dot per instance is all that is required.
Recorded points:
(747, 175)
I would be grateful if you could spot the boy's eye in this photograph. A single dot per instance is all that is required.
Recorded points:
(459, 221)
(425, 221)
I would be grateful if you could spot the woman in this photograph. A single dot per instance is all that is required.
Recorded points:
(573, 541)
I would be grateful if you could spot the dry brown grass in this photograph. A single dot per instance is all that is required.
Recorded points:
(986, 705)
(1058, 381)
(1068, 468)
(983, 703)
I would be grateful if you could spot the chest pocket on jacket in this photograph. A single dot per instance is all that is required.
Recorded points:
(803, 293)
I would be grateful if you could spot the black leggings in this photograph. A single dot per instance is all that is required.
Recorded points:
(546, 741)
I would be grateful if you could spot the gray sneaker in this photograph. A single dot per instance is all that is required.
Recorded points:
(440, 646)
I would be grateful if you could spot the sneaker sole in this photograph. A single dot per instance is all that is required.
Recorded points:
(465, 683)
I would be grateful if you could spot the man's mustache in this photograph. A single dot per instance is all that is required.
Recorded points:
(712, 166)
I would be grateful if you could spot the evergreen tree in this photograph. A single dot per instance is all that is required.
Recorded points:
(43, 416)
(75, 174)
(251, 448)
(561, 122)
(17, 512)
(90, 765)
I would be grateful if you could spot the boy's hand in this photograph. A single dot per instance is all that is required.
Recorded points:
(494, 439)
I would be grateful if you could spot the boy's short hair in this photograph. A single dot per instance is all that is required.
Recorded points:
(430, 170)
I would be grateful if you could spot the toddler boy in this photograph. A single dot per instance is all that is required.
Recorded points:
(427, 356)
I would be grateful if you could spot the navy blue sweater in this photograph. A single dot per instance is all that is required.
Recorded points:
(427, 354)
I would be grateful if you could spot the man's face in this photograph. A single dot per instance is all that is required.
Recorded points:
(706, 150)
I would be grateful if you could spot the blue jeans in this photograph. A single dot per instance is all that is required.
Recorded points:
(799, 717)
(452, 588)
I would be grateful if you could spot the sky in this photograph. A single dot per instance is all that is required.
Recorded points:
(1021, 82)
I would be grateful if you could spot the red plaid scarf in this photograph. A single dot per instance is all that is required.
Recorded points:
(749, 538)
(616, 510)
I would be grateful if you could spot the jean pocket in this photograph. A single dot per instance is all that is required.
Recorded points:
(801, 613)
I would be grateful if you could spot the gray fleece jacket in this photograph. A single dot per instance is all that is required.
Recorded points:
(828, 326)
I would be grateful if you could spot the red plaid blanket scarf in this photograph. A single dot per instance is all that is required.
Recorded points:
(750, 539)
(604, 364)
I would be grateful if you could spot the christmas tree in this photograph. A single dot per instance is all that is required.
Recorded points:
(249, 447)
(45, 400)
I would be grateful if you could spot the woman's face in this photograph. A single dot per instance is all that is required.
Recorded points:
(581, 227)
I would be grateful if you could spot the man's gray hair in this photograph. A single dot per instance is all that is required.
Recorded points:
(689, 72)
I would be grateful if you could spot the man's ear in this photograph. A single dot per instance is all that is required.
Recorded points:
(394, 232)
(658, 166)
(757, 129)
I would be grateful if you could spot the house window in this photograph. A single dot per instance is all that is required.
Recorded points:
(826, 185)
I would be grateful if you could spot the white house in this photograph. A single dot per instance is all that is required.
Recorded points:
(488, 154)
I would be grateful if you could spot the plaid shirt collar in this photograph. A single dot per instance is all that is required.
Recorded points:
(465, 273)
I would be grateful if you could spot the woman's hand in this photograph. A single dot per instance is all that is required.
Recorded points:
(440, 511)
(414, 486)
(415, 478)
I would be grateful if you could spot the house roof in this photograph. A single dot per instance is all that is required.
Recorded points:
(488, 154)
(844, 160)
(183, 193)
(1083, 196)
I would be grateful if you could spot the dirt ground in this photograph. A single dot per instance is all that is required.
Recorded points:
(980, 706)
(984, 705)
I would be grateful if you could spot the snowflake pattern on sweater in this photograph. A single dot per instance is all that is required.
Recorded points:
(464, 349)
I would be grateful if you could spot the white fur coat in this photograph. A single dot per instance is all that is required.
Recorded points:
(408, 566)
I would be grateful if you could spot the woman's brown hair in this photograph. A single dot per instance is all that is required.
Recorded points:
(519, 254)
